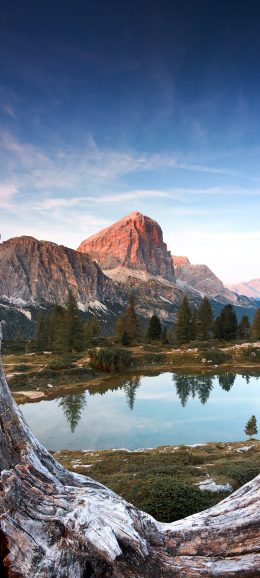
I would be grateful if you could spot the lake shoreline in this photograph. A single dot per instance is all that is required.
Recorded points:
(179, 360)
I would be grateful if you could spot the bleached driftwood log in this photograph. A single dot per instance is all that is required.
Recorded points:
(57, 524)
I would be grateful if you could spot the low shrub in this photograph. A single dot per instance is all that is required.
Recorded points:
(241, 472)
(216, 356)
(110, 359)
(22, 367)
(59, 364)
(153, 358)
(252, 354)
(169, 500)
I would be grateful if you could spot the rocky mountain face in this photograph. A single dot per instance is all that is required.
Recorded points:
(250, 288)
(200, 278)
(129, 256)
(34, 272)
(132, 246)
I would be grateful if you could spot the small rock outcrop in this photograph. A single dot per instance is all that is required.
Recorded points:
(136, 243)
(40, 271)
(180, 260)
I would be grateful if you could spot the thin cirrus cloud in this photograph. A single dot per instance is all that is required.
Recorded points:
(29, 166)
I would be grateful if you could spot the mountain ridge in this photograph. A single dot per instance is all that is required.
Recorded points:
(37, 274)
(250, 288)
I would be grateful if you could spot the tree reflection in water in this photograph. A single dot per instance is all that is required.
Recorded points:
(226, 380)
(191, 385)
(72, 406)
(130, 387)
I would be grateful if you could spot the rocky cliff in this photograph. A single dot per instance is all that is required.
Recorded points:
(250, 288)
(134, 245)
(34, 272)
(201, 279)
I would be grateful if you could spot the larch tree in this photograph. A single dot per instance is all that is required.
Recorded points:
(225, 326)
(204, 320)
(154, 329)
(255, 328)
(73, 326)
(129, 322)
(184, 322)
(243, 328)
(251, 427)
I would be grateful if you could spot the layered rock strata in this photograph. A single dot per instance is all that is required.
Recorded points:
(35, 271)
(134, 243)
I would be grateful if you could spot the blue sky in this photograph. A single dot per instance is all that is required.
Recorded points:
(112, 107)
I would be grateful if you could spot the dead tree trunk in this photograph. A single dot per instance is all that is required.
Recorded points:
(57, 524)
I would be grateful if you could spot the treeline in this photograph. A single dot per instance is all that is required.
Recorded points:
(192, 324)
(64, 330)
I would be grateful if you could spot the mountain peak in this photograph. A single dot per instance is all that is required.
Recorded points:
(135, 242)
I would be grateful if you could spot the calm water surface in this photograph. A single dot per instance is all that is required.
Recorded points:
(148, 411)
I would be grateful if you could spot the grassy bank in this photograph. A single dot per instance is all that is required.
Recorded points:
(166, 481)
(35, 376)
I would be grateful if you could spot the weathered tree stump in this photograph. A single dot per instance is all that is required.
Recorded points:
(57, 524)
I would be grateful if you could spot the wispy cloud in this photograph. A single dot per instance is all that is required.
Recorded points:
(79, 172)
(7, 193)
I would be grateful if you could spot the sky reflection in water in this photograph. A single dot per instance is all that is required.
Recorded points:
(148, 411)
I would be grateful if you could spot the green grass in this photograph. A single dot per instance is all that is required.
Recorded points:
(163, 481)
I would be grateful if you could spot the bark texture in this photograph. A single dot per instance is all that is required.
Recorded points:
(57, 524)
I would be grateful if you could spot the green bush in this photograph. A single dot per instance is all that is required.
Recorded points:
(242, 472)
(110, 359)
(216, 356)
(169, 500)
(153, 358)
(60, 364)
(22, 367)
(252, 354)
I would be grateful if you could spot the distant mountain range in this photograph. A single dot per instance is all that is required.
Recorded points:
(249, 288)
(129, 256)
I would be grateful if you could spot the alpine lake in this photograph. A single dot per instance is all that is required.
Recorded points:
(143, 411)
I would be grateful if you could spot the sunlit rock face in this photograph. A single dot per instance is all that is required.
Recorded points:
(134, 243)
(180, 260)
(35, 271)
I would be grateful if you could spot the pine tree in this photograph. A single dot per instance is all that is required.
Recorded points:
(41, 331)
(194, 325)
(204, 320)
(164, 336)
(243, 327)
(90, 329)
(73, 326)
(251, 427)
(154, 329)
(57, 335)
(225, 326)
(125, 340)
(183, 322)
(129, 322)
(255, 328)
